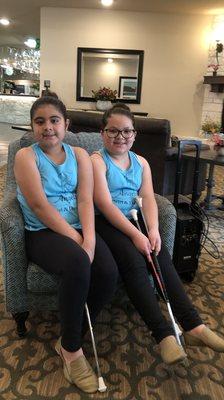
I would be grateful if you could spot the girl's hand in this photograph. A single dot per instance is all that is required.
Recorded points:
(155, 240)
(89, 250)
(142, 243)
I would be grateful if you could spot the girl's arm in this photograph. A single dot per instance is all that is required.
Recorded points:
(103, 201)
(85, 200)
(29, 180)
(149, 206)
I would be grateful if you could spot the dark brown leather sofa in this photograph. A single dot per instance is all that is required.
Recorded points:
(153, 143)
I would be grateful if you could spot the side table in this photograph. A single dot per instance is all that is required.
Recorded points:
(211, 158)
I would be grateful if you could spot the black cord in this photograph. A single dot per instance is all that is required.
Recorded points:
(216, 257)
(200, 214)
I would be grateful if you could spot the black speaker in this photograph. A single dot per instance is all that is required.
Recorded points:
(187, 242)
(189, 225)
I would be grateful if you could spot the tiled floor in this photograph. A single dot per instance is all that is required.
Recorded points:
(7, 134)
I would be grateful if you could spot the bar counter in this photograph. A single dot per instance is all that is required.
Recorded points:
(15, 109)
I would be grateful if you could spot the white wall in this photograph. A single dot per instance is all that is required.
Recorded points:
(174, 64)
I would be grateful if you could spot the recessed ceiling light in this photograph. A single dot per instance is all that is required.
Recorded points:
(4, 21)
(31, 43)
(107, 3)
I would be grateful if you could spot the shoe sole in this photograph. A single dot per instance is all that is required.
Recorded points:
(178, 361)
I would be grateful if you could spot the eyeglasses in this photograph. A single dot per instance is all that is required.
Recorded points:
(114, 132)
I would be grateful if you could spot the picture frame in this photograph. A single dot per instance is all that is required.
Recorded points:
(20, 89)
(128, 87)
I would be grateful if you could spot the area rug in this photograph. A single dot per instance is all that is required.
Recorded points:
(129, 358)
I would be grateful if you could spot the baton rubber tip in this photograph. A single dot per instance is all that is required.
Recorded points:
(102, 387)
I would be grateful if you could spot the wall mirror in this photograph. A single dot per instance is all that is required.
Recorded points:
(118, 69)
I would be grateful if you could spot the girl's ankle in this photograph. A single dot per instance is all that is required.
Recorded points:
(197, 330)
(71, 356)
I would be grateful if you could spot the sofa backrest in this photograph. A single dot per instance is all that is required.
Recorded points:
(89, 141)
(151, 142)
(91, 121)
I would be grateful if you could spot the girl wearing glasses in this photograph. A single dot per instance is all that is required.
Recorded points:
(120, 175)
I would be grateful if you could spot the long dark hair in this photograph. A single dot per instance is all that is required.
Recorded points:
(118, 109)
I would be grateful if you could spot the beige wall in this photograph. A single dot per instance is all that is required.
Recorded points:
(174, 64)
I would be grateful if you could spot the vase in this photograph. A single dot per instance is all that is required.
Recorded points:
(103, 105)
(214, 73)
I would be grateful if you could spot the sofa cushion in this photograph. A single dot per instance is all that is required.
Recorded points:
(39, 281)
(90, 141)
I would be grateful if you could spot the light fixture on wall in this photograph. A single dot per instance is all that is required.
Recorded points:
(217, 36)
(4, 21)
(110, 60)
(218, 50)
(106, 3)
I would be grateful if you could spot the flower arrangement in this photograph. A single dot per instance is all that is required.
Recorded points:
(104, 93)
(215, 67)
(210, 127)
(218, 138)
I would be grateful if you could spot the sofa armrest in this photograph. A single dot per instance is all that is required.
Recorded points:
(14, 259)
(167, 221)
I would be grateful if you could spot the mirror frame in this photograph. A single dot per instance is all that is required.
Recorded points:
(81, 50)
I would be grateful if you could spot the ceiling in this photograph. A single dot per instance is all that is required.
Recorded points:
(25, 14)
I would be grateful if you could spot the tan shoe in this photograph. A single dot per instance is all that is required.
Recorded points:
(205, 338)
(171, 351)
(79, 372)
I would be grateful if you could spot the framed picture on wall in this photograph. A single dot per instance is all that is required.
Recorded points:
(128, 87)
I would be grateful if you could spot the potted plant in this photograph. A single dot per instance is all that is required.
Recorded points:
(104, 96)
(209, 127)
(35, 88)
(215, 68)
(8, 87)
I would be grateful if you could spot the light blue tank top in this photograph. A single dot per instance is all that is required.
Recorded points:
(59, 184)
(124, 185)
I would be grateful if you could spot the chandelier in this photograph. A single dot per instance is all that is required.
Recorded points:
(24, 60)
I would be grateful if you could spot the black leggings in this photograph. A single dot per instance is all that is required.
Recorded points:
(79, 282)
(133, 269)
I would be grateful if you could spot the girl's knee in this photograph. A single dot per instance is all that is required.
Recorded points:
(77, 265)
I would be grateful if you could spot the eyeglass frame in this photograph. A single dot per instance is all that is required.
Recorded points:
(120, 131)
